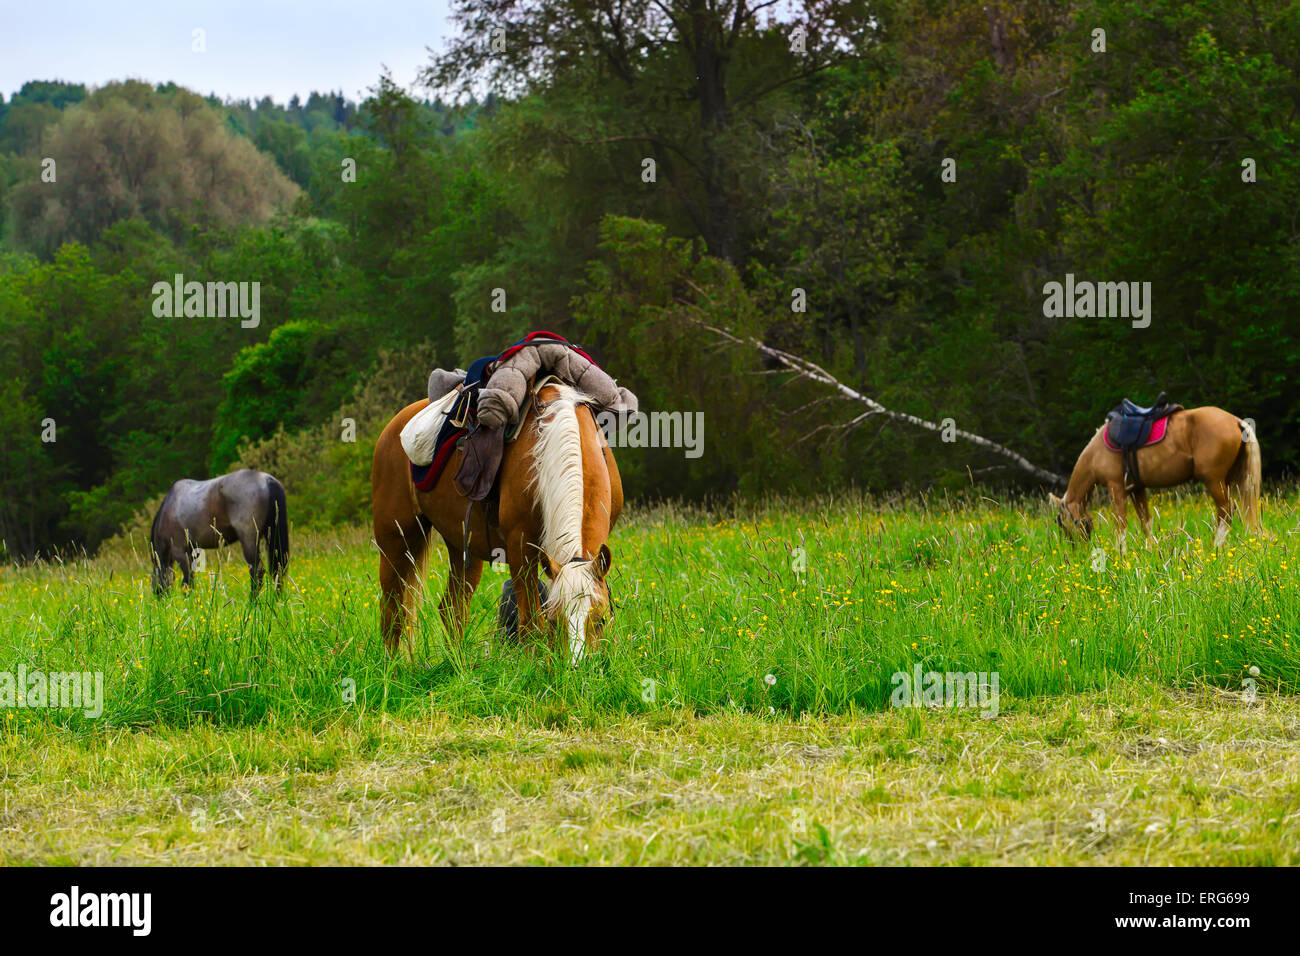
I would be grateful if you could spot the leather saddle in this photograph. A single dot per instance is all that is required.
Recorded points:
(1130, 426)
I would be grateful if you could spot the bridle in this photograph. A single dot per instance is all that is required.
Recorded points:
(609, 588)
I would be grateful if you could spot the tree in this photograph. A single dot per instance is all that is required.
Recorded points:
(687, 82)
(129, 151)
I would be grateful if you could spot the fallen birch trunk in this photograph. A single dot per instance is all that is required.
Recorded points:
(816, 373)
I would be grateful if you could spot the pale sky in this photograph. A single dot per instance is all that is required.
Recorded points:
(254, 47)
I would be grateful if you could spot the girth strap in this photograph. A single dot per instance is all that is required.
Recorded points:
(1130, 456)
(490, 520)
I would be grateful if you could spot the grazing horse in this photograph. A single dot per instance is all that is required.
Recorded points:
(559, 495)
(244, 506)
(1205, 444)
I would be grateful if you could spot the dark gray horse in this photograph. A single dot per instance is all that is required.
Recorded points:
(244, 506)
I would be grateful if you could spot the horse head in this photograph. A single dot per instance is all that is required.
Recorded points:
(1072, 517)
(580, 601)
(160, 554)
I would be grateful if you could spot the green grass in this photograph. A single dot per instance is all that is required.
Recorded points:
(722, 622)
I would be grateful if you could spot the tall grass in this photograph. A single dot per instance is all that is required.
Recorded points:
(782, 608)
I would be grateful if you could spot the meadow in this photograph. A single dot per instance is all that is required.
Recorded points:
(739, 713)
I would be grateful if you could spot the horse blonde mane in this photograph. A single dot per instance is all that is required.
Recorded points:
(558, 481)
(557, 475)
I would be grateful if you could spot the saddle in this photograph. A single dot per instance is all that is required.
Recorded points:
(461, 424)
(483, 447)
(1130, 426)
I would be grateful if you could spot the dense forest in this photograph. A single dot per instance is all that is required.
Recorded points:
(882, 188)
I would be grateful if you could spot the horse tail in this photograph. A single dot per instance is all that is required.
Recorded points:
(277, 539)
(1247, 471)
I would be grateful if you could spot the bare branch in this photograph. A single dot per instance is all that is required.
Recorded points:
(814, 372)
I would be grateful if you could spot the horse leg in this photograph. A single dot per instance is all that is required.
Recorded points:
(184, 559)
(524, 570)
(1218, 490)
(1141, 506)
(163, 581)
(401, 572)
(1120, 504)
(462, 581)
(252, 547)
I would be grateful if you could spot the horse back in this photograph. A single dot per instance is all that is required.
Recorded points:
(1212, 436)
(1201, 441)
(227, 504)
(242, 501)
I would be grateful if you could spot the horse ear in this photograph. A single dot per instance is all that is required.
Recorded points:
(604, 559)
(1054, 501)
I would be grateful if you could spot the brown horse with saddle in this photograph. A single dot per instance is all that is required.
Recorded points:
(1160, 446)
(503, 461)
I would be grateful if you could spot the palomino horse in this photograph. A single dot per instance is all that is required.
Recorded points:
(244, 506)
(559, 496)
(1206, 444)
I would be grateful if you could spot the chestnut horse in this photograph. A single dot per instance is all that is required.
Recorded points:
(1205, 444)
(559, 495)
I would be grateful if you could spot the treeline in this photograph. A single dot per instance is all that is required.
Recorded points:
(884, 188)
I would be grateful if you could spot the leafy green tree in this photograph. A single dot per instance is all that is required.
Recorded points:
(689, 83)
(284, 381)
(128, 151)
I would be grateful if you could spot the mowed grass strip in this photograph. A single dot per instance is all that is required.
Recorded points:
(1129, 775)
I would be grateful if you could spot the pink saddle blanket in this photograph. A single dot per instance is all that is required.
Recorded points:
(1158, 428)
